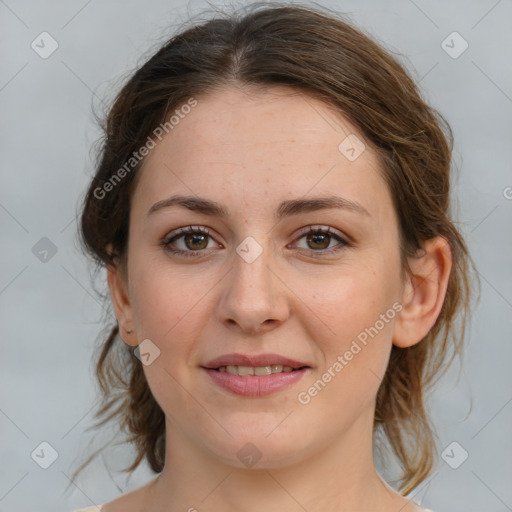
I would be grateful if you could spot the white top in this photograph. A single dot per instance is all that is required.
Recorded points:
(97, 508)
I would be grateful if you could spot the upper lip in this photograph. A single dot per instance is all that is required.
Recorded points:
(253, 360)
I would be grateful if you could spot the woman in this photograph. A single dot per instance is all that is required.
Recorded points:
(271, 205)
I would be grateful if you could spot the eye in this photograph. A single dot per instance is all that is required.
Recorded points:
(320, 238)
(190, 241)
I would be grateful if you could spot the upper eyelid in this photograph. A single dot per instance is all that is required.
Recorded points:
(182, 231)
(344, 239)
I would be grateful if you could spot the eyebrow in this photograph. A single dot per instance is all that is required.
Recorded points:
(286, 208)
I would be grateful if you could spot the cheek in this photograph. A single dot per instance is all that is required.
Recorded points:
(171, 309)
(347, 301)
(357, 306)
(169, 312)
(164, 299)
(355, 363)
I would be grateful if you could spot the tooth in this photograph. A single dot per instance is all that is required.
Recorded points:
(258, 370)
(245, 370)
(262, 370)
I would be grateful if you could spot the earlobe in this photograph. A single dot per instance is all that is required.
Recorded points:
(121, 303)
(424, 292)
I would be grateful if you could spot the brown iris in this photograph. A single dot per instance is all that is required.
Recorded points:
(196, 238)
(319, 239)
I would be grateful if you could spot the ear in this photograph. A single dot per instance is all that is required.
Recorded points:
(424, 292)
(117, 282)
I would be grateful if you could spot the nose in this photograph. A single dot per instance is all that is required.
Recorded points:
(254, 298)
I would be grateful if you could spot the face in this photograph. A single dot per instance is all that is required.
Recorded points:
(277, 273)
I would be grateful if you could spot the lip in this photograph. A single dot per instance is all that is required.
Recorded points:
(255, 385)
(253, 360)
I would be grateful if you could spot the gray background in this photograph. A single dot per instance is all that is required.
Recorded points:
(50, 315)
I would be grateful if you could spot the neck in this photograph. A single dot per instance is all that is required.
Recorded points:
(337, 479)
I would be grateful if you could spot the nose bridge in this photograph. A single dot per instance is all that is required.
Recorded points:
(251, 277)
(252, 294)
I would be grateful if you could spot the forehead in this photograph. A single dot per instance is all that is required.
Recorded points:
(245, 116)
(278, 143)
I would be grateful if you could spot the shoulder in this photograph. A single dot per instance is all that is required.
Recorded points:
(133, 501)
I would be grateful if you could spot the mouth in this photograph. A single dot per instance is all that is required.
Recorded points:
(255, 375)
(257, 370)
(254, 364)
(253, 385)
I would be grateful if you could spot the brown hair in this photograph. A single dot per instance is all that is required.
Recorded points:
(319, 54)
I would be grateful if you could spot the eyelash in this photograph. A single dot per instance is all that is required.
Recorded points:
(166, 243)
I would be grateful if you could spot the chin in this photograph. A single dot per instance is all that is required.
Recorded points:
(254, 448)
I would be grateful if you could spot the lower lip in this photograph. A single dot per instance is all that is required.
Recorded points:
(255, 385)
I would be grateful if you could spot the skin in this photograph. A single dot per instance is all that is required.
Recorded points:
(249, 150)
